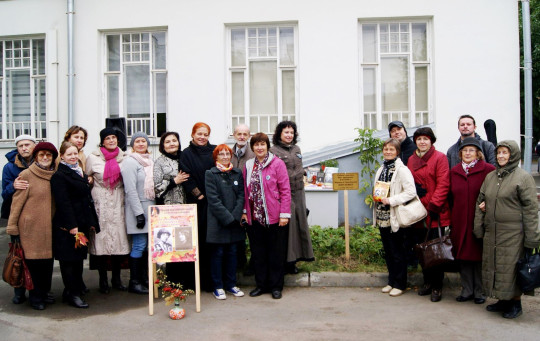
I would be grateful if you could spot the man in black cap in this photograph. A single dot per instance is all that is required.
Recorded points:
(467, 127)
(397, 131)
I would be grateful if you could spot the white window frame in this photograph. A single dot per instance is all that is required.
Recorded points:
(245, 69)
(412, 122)
(134, 124)
(34, 127)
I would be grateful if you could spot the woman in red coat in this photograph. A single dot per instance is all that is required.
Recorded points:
(466, 178)
(431, 176)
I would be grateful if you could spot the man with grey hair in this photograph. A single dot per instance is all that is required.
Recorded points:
(241, 150)
(18, 160)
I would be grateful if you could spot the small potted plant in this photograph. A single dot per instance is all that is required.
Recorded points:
(172, 292)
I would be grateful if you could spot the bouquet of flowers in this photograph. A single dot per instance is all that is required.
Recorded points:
(171, 291)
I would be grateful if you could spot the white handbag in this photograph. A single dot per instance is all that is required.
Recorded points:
(411, 212)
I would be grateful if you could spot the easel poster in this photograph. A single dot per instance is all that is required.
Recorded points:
(173, 238)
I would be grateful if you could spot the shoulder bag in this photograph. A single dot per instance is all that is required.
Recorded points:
(528, 276)
(435, 252)
(13, 273)
(410, 212)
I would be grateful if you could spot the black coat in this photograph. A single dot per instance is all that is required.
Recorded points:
(407, 149)
(196, 160)
(74, 208)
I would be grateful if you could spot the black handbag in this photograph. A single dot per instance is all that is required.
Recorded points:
(435, 252)
(528, 276)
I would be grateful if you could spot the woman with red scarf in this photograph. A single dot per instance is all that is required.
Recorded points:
(104, 165)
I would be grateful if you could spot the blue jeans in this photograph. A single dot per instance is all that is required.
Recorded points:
(139, 241)
(223, 265)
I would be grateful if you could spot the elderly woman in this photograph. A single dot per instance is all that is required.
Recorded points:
(429, 168)
(225, 194)
(507, 219)
(31, 220)
(195, 160)
(168, 177)
(75, 214)
(137, 172)
(111, 245)
(465, 181)
(402, 189)
(267, 209)
(299, 248)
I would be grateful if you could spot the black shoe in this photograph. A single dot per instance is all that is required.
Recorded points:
(77, 302)
(500, 306)
(38, 305)
(256, 292)
(425, 290)
(117, 284)
(137, 288)
(465, 299)
(276, 294)
(479, 300)
(104, 286)
(18, 299)
(436, 295)
(514, 310)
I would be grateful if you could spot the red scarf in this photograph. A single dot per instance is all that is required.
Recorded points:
(111, 175)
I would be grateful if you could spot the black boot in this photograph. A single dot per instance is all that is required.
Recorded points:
(135, 284)
(513, 310)
(116, 281)
(144, 268)
(103, 281)
(501, 305)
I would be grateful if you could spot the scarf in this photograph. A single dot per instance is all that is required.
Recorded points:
(467, 167)
(382, 211)
(388, 170)
(74, 167)
(223, 168)
(24, 163)
(111, 174)
(148, 164)
(255, 195)
(51, 167)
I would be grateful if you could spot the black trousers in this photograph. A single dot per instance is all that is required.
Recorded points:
(41, 271)
(72, 276)
(434, 276)
(395, 254)
(268, 254)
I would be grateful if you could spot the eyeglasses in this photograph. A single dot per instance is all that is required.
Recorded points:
(224, 154)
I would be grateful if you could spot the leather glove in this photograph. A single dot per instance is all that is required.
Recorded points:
(233, 224)
(433, 215)
(420, 191)
(141, 221)
(16, 238)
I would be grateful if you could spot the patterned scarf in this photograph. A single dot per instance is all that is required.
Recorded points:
(382, 211)
(76, 168)
(467, 167)
(148, 164)
(111, 174)
(255, 187)
(224, 168)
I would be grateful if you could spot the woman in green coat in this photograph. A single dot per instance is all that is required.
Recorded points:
(507, 219)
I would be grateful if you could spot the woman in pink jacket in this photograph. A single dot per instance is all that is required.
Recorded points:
(267, 210)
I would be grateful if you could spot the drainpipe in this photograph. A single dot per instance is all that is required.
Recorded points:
(70, 13)
(527, 68)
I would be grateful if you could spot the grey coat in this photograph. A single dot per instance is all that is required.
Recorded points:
(509, 224)
(488, 149)
(225, 194)
(241, 162)
(136, 202)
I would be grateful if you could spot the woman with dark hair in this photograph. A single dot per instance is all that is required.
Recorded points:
(466, 178)
(111, 245)
(267, 208)
(401, 183)
(429, 168)
(78, 136)
(285, 148)
(30, 219)
(168, 177)
(139, 190)
(225, 193)
(507, 219)
(75, 214)
(195, 160)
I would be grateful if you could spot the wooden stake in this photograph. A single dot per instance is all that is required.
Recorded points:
(346, 207)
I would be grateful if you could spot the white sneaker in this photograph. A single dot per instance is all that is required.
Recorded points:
(220, 294)
(236, 291)
(386, 289)
(395, 292)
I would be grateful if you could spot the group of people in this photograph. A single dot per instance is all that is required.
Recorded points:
(477, 194)
(99, 205)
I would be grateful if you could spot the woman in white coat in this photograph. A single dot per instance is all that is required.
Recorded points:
(395, 174)
(137, 173)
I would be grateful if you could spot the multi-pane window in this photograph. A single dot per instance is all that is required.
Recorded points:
(136, 80)
(22, 88)
(262, 68)
(395, 73)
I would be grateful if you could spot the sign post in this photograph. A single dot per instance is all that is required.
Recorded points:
(345, 182)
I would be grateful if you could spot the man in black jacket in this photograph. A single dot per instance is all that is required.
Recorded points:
(467, 127)
(397, 131)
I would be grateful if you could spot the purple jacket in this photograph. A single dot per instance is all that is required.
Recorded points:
(276, 189)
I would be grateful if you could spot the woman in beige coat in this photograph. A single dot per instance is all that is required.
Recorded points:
(104, 165)
(30, 219)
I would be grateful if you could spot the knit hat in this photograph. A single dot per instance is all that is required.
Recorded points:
(136, 136)
(470, 141)
(398, 124)
(24, 137)
(424, 131)
(45, 146)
